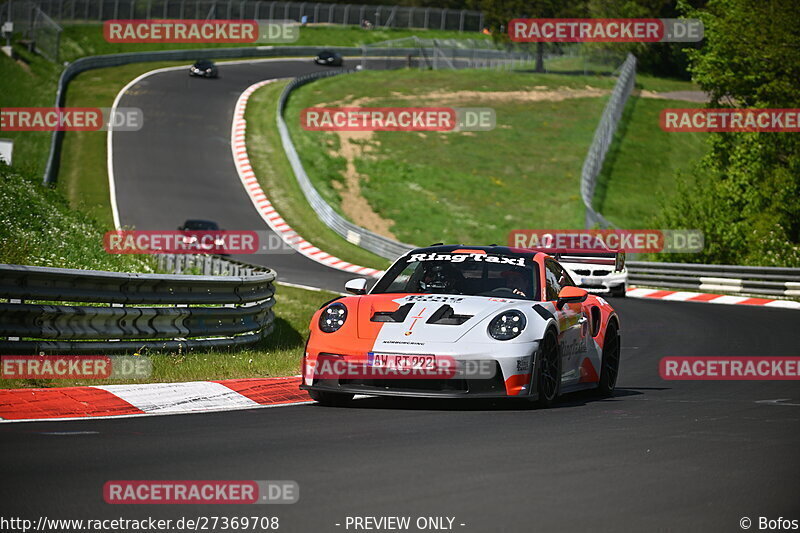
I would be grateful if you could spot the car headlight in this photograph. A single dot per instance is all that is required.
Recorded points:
(333, 317)
(507, 326)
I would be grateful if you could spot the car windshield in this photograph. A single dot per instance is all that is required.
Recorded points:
(473, 274)
(198, 225)
(204, 64)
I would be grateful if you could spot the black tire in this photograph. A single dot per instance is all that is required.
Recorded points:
(618, 291)
(332, 399)
(548, 375)
(610, 363)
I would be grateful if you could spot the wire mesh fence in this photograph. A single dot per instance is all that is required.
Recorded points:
(368, 16)
(36, 28)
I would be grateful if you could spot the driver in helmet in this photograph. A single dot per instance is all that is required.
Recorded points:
(517, 281)
(441, 278)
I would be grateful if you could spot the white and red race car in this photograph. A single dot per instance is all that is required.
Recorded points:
(456, 321)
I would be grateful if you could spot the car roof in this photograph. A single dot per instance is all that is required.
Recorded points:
(491, 249)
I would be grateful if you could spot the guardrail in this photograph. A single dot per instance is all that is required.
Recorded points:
(377, 244)
(86, 311)
(113, 60)
(752, 280)
(603, 136)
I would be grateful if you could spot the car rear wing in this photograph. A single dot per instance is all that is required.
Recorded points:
(582, 255)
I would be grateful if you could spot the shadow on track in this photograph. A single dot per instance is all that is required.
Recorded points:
(575, 399)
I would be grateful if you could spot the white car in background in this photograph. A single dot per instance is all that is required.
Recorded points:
(597, 272)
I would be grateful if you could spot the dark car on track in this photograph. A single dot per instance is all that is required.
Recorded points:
(204, 68)
(329, 58)
(194, 229)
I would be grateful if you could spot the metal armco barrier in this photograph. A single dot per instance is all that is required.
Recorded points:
(357, 235)
(114, 60)
(85, 311)
(603, 136)
(385, 16)
(377, 244)
(768, 281)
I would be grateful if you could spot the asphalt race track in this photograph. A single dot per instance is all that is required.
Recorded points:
(660, 456)
(179, 165)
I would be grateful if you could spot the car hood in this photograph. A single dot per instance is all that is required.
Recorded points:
(412, 318)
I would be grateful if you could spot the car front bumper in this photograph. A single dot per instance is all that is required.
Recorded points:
(510, 367)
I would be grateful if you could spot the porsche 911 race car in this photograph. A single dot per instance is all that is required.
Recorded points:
(456, 321)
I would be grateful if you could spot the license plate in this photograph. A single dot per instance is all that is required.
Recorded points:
(403, 362)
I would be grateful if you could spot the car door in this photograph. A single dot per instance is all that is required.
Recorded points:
(572, 323)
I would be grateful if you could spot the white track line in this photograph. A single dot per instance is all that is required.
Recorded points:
(112, 189)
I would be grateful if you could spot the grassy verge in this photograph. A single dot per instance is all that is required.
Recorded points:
(87, 39)
(462, 187)
(280, 354)
(276, 178)
(640, 170)
(38, 227)
(476, 187)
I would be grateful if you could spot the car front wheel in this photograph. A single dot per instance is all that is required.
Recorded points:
(610, 363)
(548, 376)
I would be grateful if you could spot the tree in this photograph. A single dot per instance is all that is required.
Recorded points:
(497, 13)
(746, 195)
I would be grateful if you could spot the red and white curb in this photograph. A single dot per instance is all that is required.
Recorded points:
(262, 203)
(111, 401)
(686, 296)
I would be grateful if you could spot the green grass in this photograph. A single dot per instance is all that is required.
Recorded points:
(639, 173)
(279, 354)
(87, 39)
(276, 178)
(38, 227)
(451, 187)
(468, 188)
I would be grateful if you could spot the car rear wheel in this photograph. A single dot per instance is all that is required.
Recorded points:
(610, 364)
(548, 377)
(333, 399)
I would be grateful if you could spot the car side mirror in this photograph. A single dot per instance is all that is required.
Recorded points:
(570, 295)
(356, 286)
